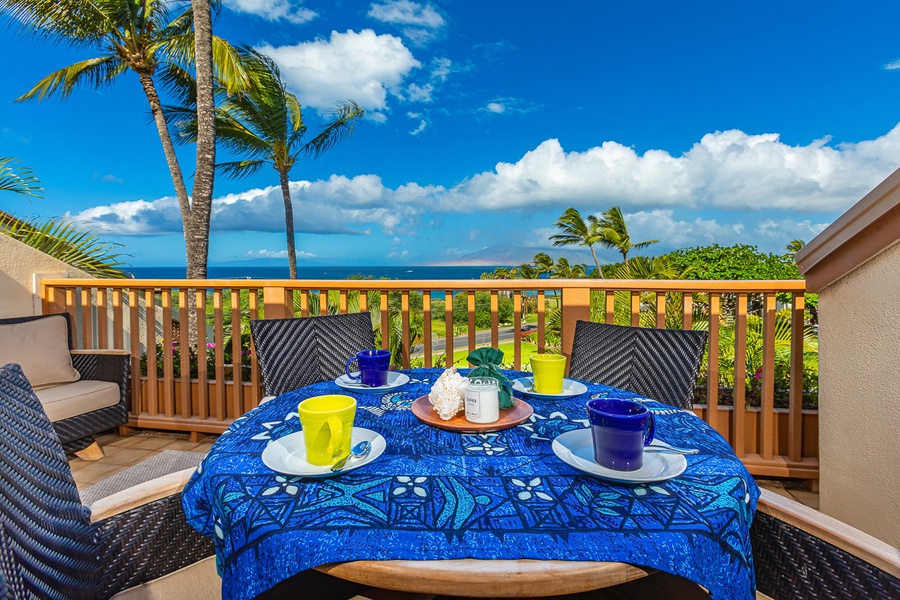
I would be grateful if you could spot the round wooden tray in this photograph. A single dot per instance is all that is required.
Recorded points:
(510, 417)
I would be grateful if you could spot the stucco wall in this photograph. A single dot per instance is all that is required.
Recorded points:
(859, 397)
(21, 268)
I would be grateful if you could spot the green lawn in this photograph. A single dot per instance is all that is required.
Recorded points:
(459, 356)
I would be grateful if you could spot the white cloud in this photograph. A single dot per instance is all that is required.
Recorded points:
(769, 234)
(441, 68)
(266, 253)
(419, 23)
(735, 177)
(362, 66)
(417, 93)
(338, 205)
(273, 10)
(509, 106)
(419, 128)
(422, 123)
(725, 170)
(893, 65)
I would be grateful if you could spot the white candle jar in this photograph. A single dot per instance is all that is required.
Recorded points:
(482, 400)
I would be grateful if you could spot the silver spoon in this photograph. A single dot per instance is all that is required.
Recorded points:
(357, 452)
(661, 446)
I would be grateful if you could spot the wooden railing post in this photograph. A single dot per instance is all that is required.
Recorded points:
(576, 306)
(277, 303)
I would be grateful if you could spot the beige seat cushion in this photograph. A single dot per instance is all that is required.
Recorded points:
(41, 348)
(73, 399)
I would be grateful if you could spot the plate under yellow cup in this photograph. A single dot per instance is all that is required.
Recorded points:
(327, 427)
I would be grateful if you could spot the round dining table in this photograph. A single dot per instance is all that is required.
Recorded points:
(477, 513)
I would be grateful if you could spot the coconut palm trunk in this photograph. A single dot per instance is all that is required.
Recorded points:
(289, 223)
(196, 228)
(146, 79)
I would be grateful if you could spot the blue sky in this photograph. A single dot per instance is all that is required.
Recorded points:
(742, 122)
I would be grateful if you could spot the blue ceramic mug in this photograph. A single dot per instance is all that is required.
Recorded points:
(620, 430)
(373, 367)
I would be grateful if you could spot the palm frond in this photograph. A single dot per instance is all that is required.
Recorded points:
(68, 242)
(338, 129)
(19, 180)
(93, 72)
(240, 168)
(77, 22)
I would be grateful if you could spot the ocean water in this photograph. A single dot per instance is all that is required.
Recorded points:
(315, 273)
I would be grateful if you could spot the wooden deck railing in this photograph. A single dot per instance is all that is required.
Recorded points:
(156, 321)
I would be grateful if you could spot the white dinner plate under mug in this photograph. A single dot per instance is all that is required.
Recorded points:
(287, 455)
(394, 380)
(576, 449)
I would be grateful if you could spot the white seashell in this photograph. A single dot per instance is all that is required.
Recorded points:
(448, 394)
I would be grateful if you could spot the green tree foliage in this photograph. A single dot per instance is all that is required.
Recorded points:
(482, 310)
(731, 263)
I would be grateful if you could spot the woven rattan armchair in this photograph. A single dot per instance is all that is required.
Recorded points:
(51, 545)
(293, 353)
(77, 432)
(661, 364)
(802, 553)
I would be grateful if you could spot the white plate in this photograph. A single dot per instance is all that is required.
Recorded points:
(288, 454)
(576, 449)
(395, 380)
(571, 387)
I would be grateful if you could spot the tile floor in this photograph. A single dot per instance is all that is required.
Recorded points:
(121, 452)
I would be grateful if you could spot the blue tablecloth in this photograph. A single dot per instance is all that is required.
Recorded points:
(434, 494)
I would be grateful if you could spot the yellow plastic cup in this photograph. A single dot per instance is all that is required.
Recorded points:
(548, 371)
(327, 427)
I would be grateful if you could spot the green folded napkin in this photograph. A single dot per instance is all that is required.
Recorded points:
(487, 364)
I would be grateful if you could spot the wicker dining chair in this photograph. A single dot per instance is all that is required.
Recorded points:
(53, 546)
(661, 364)
(293, 353)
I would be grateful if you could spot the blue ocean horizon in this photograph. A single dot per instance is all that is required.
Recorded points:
(428, 273)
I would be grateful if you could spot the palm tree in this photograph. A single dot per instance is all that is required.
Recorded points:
(576, 232)
(499, 273)
(794, 246)
(543, 263)
(563, 270)
(613, 233)
(140, 37)
(266, 125)
(20, 180)
(527, 271)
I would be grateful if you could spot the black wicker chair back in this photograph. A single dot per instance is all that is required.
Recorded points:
(46, 530)
(293, 353)
(49, 547)
(661, 364)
